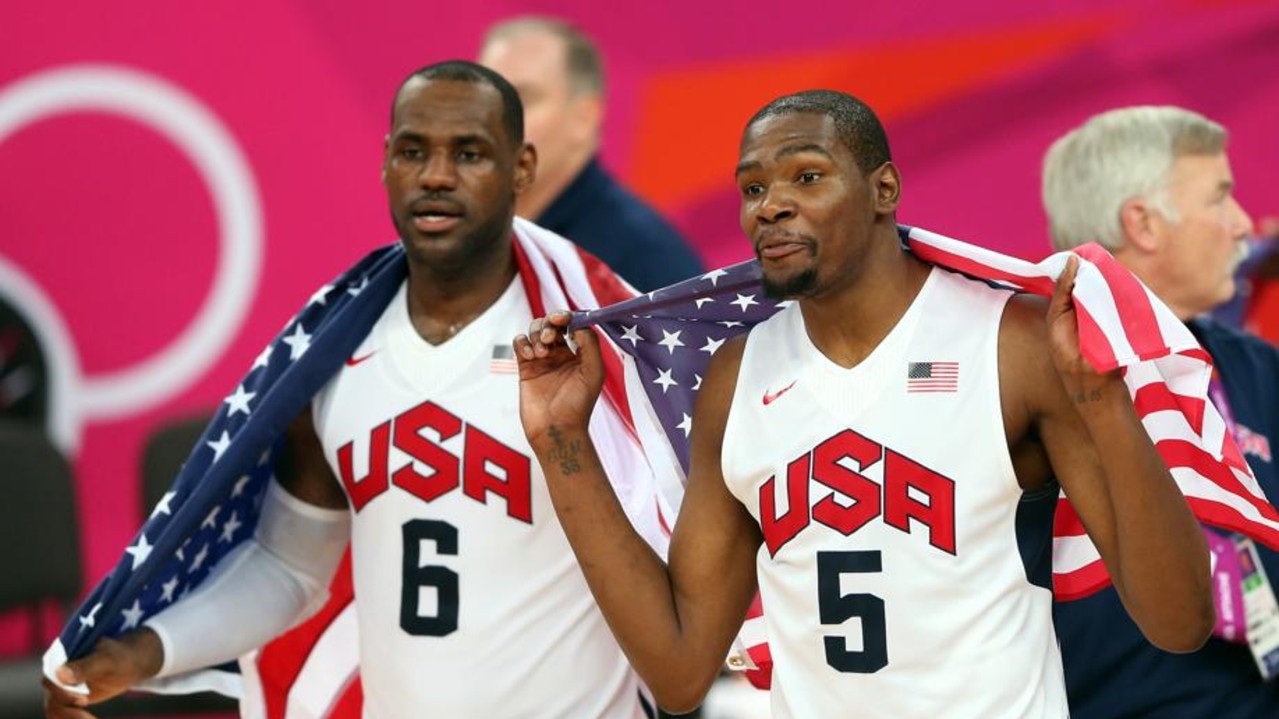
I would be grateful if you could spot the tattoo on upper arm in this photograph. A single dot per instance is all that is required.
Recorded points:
(566, 452)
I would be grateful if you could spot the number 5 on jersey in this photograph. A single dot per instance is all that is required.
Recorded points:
(834, 607)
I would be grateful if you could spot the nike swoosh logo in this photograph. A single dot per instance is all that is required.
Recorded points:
(770, 398)
(353, 361)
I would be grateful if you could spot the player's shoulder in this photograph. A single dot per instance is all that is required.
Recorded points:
(723, 369)
(1026, 371)
(1023, 325)
(727, 360)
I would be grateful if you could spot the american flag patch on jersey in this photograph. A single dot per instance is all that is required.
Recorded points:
(503, 361)
(932, 377)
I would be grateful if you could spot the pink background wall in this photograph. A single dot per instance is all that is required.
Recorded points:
(108, 230)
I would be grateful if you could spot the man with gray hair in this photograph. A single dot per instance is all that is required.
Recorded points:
(559, 74)
(1153, 185)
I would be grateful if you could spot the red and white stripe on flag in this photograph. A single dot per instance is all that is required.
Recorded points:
(1123, 325)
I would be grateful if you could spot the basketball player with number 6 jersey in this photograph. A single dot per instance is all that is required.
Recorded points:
(867, 457)
(459, 563)
(468, 599)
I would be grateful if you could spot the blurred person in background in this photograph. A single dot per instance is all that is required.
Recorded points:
(560, 77)
(1260, 267)
(1262, 313)
(1154, 186)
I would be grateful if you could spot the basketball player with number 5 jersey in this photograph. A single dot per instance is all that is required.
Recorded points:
(871, 458)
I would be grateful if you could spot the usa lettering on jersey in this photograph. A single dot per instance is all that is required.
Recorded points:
(827, 464)
(487, 466)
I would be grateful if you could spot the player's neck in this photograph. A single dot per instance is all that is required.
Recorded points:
(848, 324)
(442, 303)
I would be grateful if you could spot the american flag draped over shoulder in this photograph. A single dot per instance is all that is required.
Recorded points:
(214, 502)
(672, 333)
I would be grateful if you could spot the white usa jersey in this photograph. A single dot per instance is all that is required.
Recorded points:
(892, 573)
(469, 600)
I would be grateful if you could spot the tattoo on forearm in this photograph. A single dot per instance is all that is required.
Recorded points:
(1090, 396)
(566, 452)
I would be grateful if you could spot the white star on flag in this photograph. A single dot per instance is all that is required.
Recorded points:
(631, 334)
(169, 587)
(86, 622)
(162, 507)
(730, 323)
(239, 486)
(219, 445)
(697, 385)
(742, 301)
(712, 345)
(702, 300)
(211, 520)
(140, 551)
(686, 424)
(264, 358)
(320, 294)
(228, 529)
(714, 276)
(198, 560)
(355, 291)
(132, 616)
(299, 342)
(239, 401)
(670, 340)
(664, 379)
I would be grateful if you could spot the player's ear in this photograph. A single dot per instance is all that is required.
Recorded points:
(525, 168)
(886, 188)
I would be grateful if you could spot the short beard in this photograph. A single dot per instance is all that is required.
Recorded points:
(799, 285)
